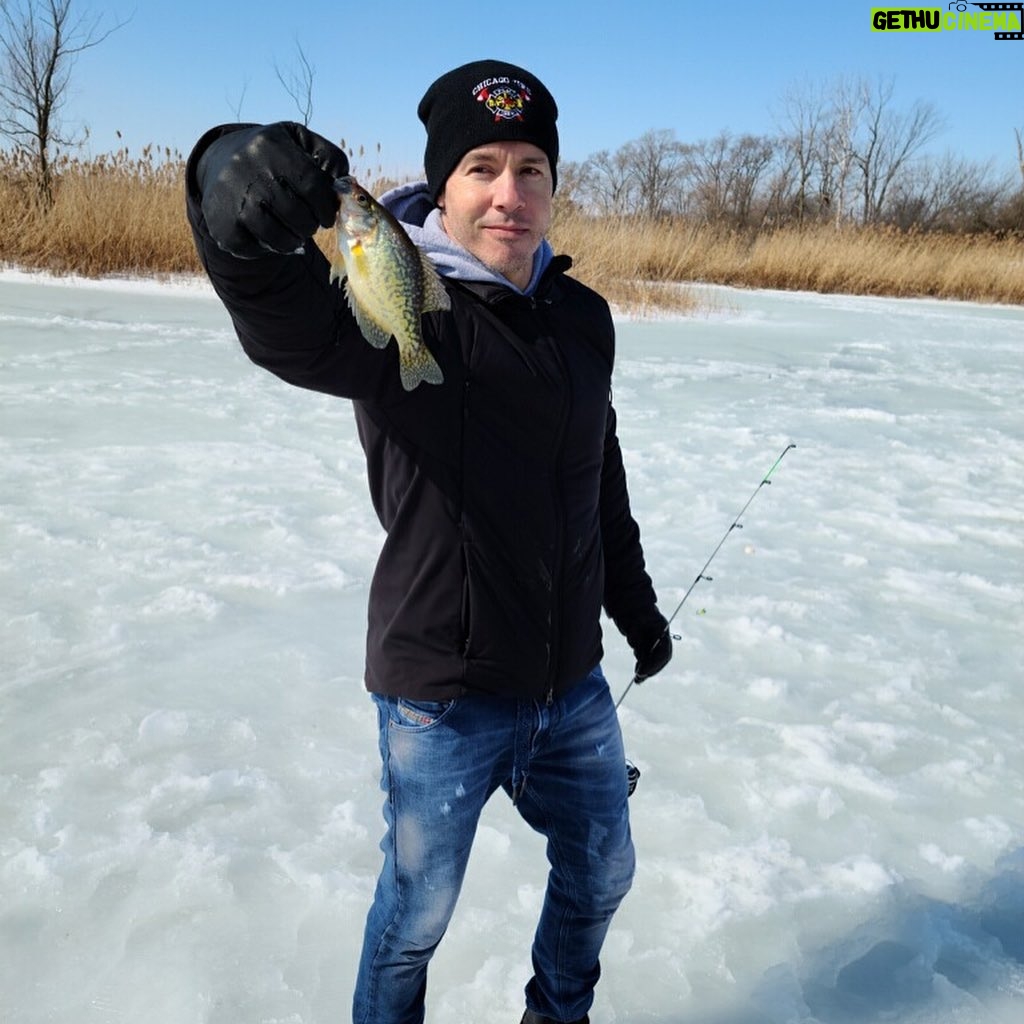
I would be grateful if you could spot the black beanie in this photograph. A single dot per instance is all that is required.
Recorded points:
(486, 101)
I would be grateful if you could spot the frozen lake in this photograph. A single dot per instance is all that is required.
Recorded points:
(830, 822)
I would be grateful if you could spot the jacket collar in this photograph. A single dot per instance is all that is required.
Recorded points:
(497, 291)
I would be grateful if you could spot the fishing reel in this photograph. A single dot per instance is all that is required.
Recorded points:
(632, 776)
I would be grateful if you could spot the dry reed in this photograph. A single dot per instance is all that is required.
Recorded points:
(112, 215)
(863, 261)
(118, 215)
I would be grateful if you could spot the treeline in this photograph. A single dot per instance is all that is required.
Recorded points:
(844, 154)
(118, 214)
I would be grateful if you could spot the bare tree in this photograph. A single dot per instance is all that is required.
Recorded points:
(838, 147)
(605, 183)
(724, 176)
(750, 158)
(706, 174)
(887, 142)
(298, 83)
(654, 164)
(782, 198)
(845, 152)
(850, 145)
(569, 196)
(39, 42)
(805, 123)
(949, 194)
(236, 107)
(819, 124)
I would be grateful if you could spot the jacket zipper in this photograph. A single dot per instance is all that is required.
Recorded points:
(557, 563)
(467, 612)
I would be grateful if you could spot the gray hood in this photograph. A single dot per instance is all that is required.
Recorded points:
(412, 206)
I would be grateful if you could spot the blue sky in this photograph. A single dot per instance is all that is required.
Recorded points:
(616, 69)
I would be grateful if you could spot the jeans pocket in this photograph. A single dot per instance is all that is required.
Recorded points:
(419, 714)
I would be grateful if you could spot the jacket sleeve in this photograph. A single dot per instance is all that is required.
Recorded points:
(288, 317)
(629, 597)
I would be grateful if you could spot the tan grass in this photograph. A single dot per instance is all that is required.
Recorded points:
(113, 215)
(120, 215)
(852, 260)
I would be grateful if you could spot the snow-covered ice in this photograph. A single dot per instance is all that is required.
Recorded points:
(830, 820)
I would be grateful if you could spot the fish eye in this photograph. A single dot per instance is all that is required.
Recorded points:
(361, 199)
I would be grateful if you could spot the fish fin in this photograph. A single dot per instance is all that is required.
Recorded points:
(416, 365)
(338, 272)
(376, 335)
(435, 295)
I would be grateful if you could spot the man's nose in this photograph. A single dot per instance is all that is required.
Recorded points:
(508, 192)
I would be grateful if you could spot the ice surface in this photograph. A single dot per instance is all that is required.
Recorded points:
(830, 817)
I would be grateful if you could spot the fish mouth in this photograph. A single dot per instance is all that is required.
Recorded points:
(344, 186)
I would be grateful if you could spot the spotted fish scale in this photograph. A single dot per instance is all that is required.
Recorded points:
(389, 283)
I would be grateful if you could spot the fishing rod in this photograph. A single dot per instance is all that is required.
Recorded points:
(702, 575)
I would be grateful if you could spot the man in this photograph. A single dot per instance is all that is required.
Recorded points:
(503, 497)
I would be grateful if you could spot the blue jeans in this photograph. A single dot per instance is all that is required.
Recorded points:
(563, 765)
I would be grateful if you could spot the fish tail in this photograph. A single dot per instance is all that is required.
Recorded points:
(416, 365)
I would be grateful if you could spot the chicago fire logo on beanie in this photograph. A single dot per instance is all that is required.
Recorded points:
(482, 102)
(506, 100)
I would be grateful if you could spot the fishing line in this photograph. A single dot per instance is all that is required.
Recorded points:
(702, 575)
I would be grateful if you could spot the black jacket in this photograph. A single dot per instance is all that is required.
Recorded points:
(502, 491)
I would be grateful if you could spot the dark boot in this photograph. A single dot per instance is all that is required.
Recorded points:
(535, 1018)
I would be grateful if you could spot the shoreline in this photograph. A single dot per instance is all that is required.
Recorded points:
(191, 283)
(198, 285)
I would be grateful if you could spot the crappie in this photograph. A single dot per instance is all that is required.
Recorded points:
(390, 284)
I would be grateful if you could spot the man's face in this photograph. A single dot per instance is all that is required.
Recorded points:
(497, 204)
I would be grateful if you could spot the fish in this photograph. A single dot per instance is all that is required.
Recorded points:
(389, 283)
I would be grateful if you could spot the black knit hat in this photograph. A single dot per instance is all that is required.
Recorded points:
(486, 101)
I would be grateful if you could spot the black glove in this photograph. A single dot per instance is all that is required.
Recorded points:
(267, 188)
(652, 658)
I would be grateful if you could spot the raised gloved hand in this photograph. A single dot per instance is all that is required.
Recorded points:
(653, 657)
(267, 188)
